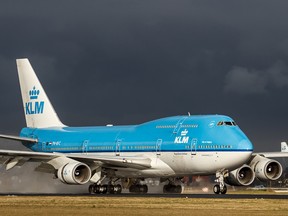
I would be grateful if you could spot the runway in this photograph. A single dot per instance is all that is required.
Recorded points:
(206, 196)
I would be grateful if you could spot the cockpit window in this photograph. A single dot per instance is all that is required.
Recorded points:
(227, 123)
(220, 123)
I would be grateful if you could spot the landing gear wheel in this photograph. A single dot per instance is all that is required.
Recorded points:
(216, 189)
(178, 189)
(117, 189)
(96, 189)
(104, 189)
(100, 189)
(142, 189)
(91, 189)
(220, 177)
(172, 189)
(224, 190)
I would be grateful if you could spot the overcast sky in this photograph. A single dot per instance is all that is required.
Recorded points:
(127, 62)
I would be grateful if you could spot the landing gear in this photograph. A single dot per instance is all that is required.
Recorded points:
(174, 186)
(221, 187)
(111, 187)
(142, 189)
(170, 188)
(114, 189)
(135, 185)
(217, 189)
(103, 189)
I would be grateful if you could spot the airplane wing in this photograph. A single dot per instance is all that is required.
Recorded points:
(271, 154)
(128, 162)
(12, 158)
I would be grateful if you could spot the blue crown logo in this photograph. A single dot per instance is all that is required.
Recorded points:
(184, 132)
(34, 93)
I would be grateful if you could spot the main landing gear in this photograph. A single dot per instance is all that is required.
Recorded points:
(172, 186)
(111, 187)
(103, 189)
(136, 186)
(221, 187)
(141, 189)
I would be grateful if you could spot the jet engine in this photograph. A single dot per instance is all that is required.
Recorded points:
(242, 176)
(74, 173)
(266, 169)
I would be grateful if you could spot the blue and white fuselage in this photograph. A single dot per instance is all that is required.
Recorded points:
(181, 143)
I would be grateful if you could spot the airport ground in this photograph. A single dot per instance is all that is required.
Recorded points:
(137, 205)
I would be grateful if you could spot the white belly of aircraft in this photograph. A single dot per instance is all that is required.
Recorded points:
(184, 163)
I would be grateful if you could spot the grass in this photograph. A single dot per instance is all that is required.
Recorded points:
(13, 205)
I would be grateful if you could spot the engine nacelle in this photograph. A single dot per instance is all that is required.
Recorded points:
(242, 176)
(74, 173)
(266, 169)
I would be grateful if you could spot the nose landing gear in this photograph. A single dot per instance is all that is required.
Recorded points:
(220, 188)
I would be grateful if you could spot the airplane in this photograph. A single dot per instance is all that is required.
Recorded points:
(112, 157)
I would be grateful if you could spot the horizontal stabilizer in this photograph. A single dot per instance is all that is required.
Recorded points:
(17, 138)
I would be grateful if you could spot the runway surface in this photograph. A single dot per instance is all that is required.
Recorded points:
(206, 196)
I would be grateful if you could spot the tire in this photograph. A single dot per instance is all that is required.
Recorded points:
(118, 189)
(216, 189)
(91, 189)
(145, 189)
(97, 189)
(178, 189)
(105, 189)
(165, 189)
(224, 190)
(132, 189)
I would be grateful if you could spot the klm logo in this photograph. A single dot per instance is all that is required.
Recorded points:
(34, 107)
(183, 138)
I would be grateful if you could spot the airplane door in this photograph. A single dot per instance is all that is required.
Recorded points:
(85, 146)
(118, 145)
(43, 146)
(193, 146)
(158, 146)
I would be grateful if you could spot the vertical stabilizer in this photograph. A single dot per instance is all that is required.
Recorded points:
(284, 147)
(38, 110)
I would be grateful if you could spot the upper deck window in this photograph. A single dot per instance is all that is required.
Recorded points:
(227, 123)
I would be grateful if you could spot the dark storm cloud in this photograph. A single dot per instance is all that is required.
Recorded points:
(243, 81)
(125, 62)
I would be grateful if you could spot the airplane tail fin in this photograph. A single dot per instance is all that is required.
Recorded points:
(284, 147)
(39, 112)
